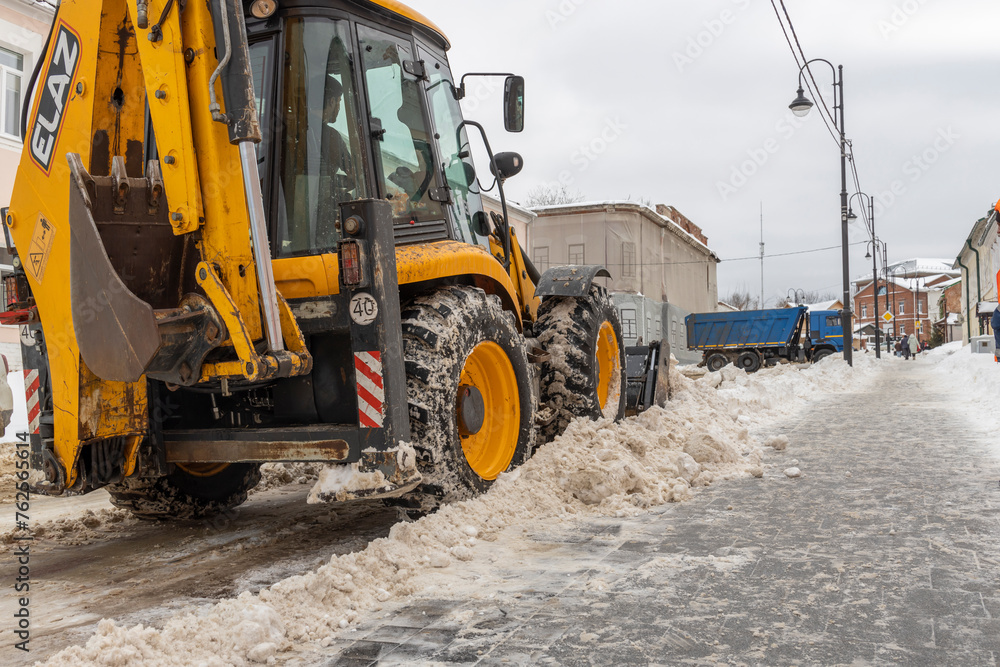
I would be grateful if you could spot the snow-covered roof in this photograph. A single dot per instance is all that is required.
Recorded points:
(495, 202)
(825, 305)
(923, 267)
(588, 206)
(986, 307)
(949, 283)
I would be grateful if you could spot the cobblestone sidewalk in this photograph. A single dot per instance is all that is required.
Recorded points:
(885, 551)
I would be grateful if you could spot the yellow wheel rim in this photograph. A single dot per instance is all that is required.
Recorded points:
(490, 451)
(203, 469)
(609, 369)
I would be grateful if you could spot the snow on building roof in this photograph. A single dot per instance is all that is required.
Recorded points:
(949, 283)
(585, 206)
(825, 305)
(527, 212)
(922, 266)
(986, 307)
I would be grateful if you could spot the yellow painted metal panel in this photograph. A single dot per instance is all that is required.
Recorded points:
(46, 192)
(319, 275)
(225, 236)
(164, 73)
(413, 15)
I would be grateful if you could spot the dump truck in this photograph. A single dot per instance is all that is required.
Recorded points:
(252, 231)
(754, 338)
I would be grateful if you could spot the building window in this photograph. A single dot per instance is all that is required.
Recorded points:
(902, 329)
(12, 69)
(541, 257)
(864, 310)
(628, 323)
(902, 308)
(576, 254)
(628, 260)
(921, 305)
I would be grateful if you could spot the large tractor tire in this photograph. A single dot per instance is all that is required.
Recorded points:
(190, 492)
(469, 389)
(585, 373)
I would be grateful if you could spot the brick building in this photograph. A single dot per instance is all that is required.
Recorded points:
(948, 317)
(912, 293)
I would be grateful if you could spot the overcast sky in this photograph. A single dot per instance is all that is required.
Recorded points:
(685, 102)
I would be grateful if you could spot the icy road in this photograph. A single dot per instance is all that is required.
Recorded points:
(818, 515)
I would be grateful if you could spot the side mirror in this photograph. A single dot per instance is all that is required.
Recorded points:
(507, 165)
(513, 104)
(481, 223)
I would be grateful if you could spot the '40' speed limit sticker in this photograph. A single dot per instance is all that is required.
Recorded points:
(364, 308)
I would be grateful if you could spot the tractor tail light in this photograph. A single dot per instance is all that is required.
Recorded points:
(10, 289)
(350, 258)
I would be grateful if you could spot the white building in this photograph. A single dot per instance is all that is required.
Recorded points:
(24, 25)
(661, 266)
(979, 261)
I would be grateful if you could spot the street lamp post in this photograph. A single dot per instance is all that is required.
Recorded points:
(873, 255)
(797, 295)
(800, 107)
(888, 288)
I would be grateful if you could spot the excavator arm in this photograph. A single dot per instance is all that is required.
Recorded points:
(138, 217)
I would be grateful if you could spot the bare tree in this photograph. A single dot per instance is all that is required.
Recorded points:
(804, 297)
(550, 194)
(741, 299)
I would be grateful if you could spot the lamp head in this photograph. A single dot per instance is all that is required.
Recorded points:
(850, 214)
(801, 105)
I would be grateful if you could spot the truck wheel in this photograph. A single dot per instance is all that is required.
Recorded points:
(192, 491)
(469, 389)
(820, 355)
(716, 361)
(748, 361)
(585, 374)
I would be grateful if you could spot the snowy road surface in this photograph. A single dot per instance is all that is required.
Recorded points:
(885, 549)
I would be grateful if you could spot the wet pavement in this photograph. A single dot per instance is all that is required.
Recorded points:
(885, 551)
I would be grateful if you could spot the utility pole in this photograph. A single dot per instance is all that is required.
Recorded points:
(762, 255)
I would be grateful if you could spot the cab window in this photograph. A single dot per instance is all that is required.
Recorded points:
(320, 162)
(453, 149)
(403, 151)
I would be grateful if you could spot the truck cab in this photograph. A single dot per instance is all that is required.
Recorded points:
(826, 331)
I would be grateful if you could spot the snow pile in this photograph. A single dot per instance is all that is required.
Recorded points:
(595, 469)
(280, 474)
(86, 528)
(976, 377)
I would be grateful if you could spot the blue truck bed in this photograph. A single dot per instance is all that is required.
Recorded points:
(743, 329)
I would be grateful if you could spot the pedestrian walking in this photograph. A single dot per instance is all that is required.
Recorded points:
(899, 347)
(913, 345)
(995, 324)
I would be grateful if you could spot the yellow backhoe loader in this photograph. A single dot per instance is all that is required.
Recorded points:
(252, 232)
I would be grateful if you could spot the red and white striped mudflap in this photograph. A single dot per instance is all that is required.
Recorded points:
(31, 398)
(371, 393)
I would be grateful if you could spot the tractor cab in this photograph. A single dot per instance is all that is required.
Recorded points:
(352, 110)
